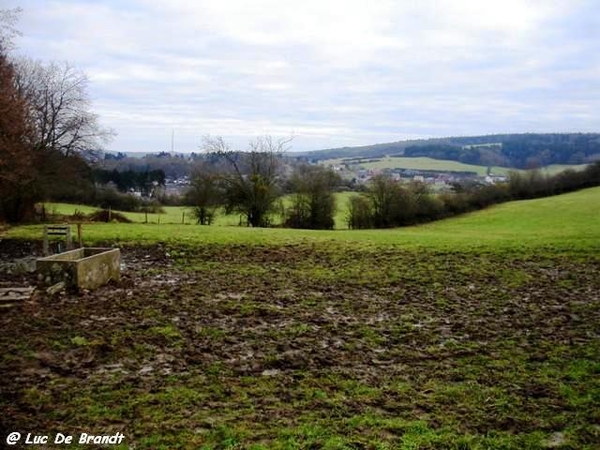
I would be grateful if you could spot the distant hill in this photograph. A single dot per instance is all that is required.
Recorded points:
(508, 150)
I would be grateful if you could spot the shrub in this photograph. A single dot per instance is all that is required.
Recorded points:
(105, 215)
(360, 212)
(109, 198)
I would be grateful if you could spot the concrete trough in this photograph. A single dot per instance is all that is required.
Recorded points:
(84, 268)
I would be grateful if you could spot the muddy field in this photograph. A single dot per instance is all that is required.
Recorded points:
(304, 347)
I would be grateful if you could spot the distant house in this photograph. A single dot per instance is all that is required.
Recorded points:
(492, 179)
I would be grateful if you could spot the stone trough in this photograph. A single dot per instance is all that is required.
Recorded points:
(84, 268)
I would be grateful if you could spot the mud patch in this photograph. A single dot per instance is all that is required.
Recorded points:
(253, 341)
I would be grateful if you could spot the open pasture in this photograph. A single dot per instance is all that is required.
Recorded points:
(480, 332)
(568, 222)
(441, 165)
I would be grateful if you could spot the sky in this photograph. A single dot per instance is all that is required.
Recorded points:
(331, 73)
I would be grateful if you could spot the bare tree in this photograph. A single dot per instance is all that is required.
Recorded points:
(8, 31)
(250, 179)
(205, 194)
(59, 107)
(45, 125)
(18, 163)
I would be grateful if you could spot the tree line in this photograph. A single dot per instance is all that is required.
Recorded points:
(143, 181)
(173, 166)
(388, 203)
(252, 184)
(524, 151)
(47, 129)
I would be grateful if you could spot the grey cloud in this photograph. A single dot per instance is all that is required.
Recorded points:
(335, 73)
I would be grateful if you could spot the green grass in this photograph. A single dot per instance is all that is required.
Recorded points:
(425, 163)
(183, 214)
(479, 332)
(569, 222)
(301, 347)
(172, 214)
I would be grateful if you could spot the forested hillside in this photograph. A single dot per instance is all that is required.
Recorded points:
(509, 150)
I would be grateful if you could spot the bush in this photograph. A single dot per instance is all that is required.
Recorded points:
(360, 212)
(487, 195)
(455, 203)
(313, 204)
(105, 215)
(429, 208)
(152, 207)
(204, 215)
(311, 212)
(109, 198)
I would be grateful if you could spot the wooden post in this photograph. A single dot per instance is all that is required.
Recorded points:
(182, 217)
(109, 214)
(146, 213)
(62, 231)
(69, 241)
(46, 249)
(79, 237)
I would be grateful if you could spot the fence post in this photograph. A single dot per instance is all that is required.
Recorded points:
(69, 241)
(79, 237)
(46, 249)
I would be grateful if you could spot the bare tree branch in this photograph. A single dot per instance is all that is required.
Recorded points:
(8, 31)
(250, 179)
(59, 107)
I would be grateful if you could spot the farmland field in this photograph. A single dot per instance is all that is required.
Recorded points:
(183, 214)
(425, 163)
(480, 332)
(566, 222)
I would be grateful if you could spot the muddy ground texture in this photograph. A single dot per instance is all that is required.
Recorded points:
(304, 347)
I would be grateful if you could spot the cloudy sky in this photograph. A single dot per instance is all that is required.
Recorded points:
(332, 73)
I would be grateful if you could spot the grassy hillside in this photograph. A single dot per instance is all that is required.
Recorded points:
(479, 332)
(509, 150)
(419, 163)
(569, 221)
(425, 163)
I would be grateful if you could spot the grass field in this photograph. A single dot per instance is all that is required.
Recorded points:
(568, 221)
(183, 214)
(480, 332)
(424, 163)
